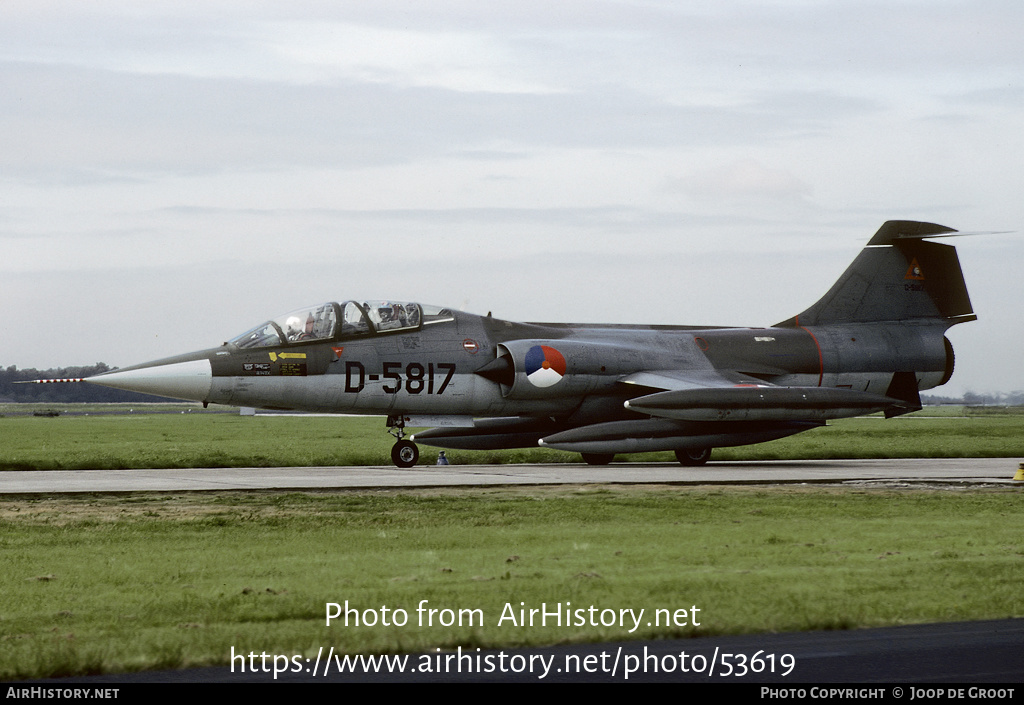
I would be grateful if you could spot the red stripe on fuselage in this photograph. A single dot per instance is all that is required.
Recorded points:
(821, 360)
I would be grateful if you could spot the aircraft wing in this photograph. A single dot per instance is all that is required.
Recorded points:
(675, 380)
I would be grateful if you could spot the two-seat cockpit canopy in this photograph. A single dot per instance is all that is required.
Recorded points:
(334, 321)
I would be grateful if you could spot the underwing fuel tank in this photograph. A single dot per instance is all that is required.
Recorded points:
(747, 403)
(650, 435)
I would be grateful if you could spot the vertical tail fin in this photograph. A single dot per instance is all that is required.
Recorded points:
(897, 277)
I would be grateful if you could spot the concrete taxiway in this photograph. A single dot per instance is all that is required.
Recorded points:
(931, 470)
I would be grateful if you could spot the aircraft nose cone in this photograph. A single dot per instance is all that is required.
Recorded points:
(180, 380)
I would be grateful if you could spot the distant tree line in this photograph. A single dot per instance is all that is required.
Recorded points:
(974, 399)
(70, 393)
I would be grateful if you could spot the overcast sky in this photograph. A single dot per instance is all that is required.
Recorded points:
(174, 173)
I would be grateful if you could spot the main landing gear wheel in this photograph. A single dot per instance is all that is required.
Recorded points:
(597, 458)
(693, 456)
(404, 454)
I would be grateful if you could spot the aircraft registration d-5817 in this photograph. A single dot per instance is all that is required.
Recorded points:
(870, 344)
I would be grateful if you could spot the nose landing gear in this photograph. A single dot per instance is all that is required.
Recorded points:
(404, 454)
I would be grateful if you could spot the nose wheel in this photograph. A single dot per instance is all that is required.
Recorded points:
(404, 454)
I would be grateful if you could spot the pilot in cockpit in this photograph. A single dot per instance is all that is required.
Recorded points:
(293, 328)
(296, 331)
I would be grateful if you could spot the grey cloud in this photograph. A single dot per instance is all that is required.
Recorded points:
(108, 123)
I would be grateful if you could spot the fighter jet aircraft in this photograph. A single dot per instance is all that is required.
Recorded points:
(869, 345)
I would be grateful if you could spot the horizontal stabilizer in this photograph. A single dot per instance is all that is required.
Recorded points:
(893, 230)
(762, 403)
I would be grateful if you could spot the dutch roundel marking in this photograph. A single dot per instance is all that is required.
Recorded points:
(545, 366)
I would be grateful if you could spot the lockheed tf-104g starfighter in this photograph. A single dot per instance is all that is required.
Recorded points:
(870, 344)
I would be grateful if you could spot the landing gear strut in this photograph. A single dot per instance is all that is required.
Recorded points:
(404, 453)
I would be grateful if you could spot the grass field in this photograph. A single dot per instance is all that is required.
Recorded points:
(107, 584)
(172, 440)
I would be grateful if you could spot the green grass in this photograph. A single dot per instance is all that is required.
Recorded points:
(190, 440)
(194, 440)
(103, 584)
(174, 440)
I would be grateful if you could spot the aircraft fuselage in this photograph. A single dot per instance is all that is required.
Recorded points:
(434, 371)
(870, 344)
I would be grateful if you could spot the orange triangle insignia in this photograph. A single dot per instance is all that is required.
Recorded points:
(915, 272)
(337, 352)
